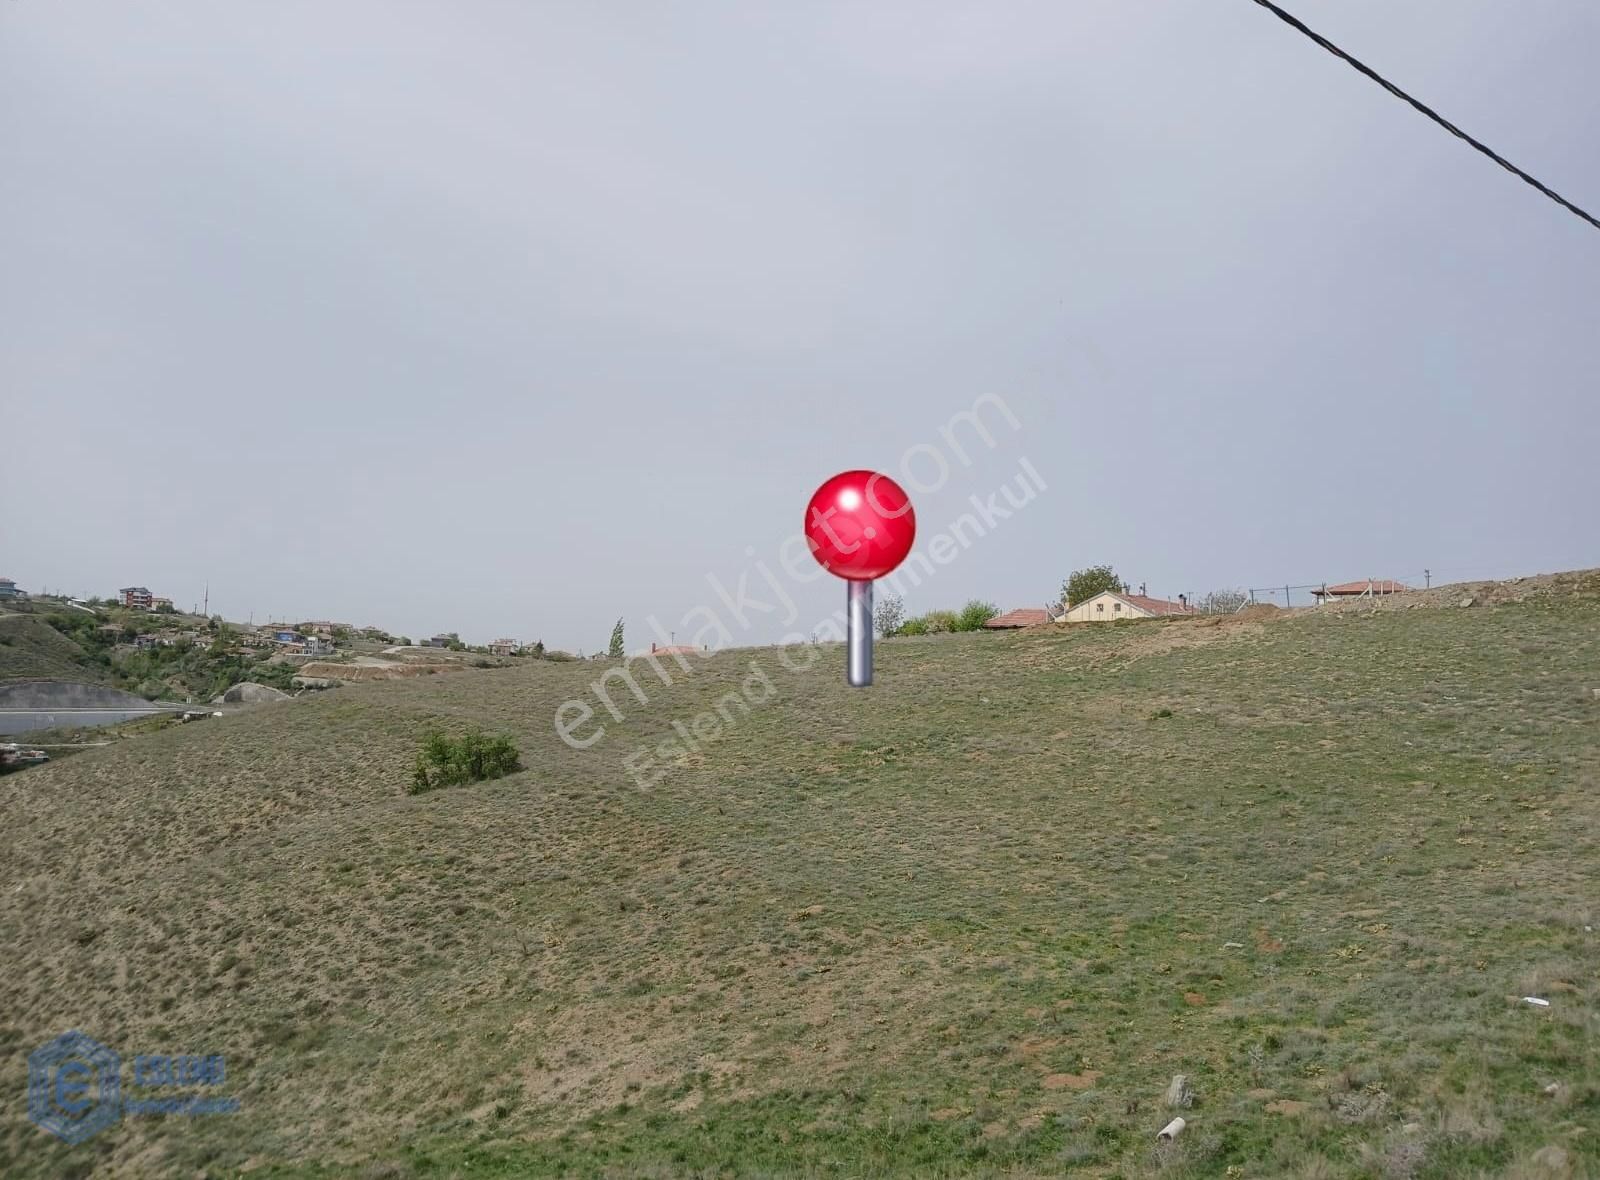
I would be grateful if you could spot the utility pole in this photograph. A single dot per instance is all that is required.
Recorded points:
(208, 600)
(1427, 579)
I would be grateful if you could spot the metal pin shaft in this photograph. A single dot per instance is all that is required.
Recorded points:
(858, 633)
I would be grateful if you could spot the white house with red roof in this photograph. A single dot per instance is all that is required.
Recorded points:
(1109, 605)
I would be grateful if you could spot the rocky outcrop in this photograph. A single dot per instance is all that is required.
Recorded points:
(251, 693)
(315, 682)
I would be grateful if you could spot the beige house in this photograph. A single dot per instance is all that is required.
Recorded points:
(1108, 606)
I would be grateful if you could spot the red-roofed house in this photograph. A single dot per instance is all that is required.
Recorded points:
(1108, 606)
(1370, 588)
(671, 649)
(1025, 617)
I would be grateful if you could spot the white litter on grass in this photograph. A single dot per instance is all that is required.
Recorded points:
(1536, 1000)
(1233, 946)
(1171, 1131)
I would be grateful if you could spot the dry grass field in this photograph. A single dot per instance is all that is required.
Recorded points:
(969, 922)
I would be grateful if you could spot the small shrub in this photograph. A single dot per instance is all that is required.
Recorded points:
(974, 615)
(474, 757)
(915, 626)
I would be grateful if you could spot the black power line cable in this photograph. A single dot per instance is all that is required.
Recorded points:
(1294, 22)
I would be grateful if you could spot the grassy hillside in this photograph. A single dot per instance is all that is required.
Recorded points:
(41, 641)
(30, 648)
(969, 922)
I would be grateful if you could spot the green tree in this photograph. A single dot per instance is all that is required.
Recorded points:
(615, 650)
(975, 614)
(1086, 583)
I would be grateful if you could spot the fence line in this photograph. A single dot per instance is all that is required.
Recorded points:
(1289, 594)
(1292, 594)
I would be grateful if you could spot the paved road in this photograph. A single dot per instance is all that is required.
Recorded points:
(14, 721)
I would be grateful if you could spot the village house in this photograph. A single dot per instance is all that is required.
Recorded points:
(1109, 605)
(1370, 588)
(671, 649)
(159, 603)
(504, 647)
(294, 643)
(136, 597)
(1022, 617)
(8, 589)
(439, 641)
(174, 638)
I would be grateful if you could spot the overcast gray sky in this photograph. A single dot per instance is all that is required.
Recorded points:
(514, 318)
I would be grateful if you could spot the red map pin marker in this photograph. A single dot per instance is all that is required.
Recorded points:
(860, 526)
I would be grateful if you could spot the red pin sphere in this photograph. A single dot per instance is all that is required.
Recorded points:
(860, 525)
